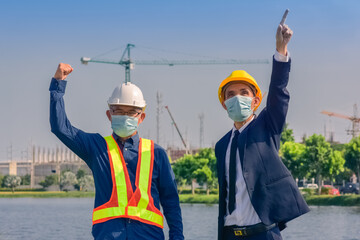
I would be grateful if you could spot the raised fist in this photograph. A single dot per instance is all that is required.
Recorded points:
(63, 71)
(283, 36)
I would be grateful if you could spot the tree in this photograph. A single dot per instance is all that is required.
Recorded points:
(80, 173)
(25, 180)
(335, 165)
(184, 169)
(287, 135)
(320, 160)
(1, 180)
(200, 167)
(49, 180)
(292, 154)
(67, 179)
(352, 156)
(86, 183)
(204, 175)
(209, 170)
(12, 181)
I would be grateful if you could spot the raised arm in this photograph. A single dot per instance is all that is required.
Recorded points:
(278, 97)
(72, 137)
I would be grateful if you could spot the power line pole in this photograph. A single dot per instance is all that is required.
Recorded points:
(201, 117)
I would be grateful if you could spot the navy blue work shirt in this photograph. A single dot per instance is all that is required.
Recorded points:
(92, 148)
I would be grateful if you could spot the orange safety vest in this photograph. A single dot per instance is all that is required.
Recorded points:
(124, 202)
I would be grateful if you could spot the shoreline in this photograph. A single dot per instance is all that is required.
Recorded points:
(314, 200)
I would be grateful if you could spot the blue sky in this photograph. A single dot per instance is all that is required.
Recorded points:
(37, 35)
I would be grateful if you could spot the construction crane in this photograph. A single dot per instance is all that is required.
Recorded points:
(177, 129)
(355, 130)
(129, 64)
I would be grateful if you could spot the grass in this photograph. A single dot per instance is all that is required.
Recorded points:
(326, 200)
(58, 194)
(207, 199)
(322, 200)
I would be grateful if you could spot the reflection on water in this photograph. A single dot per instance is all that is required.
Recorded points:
(28, 218)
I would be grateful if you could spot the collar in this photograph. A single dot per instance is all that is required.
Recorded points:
(243, 127)
(132, 140)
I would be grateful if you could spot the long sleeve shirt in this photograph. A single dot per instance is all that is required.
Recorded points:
(92, 148)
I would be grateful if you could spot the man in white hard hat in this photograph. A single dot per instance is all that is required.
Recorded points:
(132, 175)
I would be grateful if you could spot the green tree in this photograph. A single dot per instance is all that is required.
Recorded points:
(67, 180)
(335, 165)
(1, 180)
(80, 173)
(204, 175)
(338, 146)
(12, 181)
(200, 167)
(352, 156)
(287, 135)
(49, 180)
(292, 154)
(345, 175)
(25, 180)
(320, 159)
(184, 169)
(86, 183)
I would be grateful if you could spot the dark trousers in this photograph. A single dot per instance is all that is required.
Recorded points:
(272, 234)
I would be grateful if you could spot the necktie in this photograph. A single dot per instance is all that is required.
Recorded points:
(232, 172)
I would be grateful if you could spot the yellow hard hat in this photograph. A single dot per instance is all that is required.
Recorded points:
(239, 76)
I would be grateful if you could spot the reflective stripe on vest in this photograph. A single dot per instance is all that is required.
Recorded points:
(124, 203)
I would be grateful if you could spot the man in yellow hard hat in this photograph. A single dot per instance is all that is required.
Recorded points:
(132, 175)
(257, 194)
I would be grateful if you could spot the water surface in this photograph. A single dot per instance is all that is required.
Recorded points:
(70, 218)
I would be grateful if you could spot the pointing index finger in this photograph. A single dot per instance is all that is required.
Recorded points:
(284, 17)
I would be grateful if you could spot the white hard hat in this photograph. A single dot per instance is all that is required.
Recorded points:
(127, 94)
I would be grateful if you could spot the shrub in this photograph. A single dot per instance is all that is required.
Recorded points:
(49, 180)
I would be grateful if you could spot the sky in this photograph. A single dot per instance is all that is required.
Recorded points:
(37, 35)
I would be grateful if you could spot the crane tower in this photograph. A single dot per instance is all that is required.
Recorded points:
(355, 120)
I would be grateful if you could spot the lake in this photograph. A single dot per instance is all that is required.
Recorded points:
(70, 218)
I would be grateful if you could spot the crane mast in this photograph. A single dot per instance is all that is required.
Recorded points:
(177, 129)
(355, 120)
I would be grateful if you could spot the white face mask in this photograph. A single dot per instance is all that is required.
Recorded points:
(239, 108)
(123, 125)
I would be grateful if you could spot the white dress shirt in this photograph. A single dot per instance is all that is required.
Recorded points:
(244, 213)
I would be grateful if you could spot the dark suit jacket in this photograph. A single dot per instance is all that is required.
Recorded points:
(272, 189)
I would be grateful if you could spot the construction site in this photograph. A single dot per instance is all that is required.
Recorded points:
(39, 162)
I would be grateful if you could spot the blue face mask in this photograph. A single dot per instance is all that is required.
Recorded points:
(239, 108)
(124, 125)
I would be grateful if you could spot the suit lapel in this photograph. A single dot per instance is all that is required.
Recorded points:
(242, 142)
(224, 145)
(242, 146)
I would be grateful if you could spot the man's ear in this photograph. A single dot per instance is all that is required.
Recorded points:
(255, 102)
(141, 118)
(108, 115)
(224, 106)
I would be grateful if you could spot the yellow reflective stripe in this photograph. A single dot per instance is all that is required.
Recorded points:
(118, 171)
(146, 215)
(108, 212)
(144, 173)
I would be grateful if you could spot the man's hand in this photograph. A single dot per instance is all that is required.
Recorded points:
(63, 71)
(283, 36)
